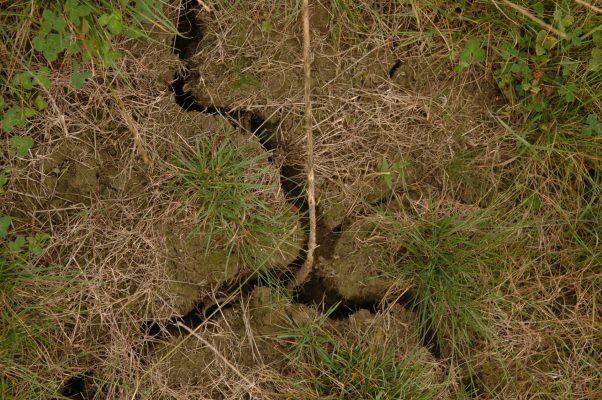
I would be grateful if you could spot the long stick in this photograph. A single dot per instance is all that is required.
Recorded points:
(133, 130)
(307, 266)
(590, 6)
(533, 18)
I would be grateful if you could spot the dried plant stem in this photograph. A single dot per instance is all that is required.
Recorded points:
(307, 266)
(533, 18)
(217, 353)
(590, 6)
(133, 130)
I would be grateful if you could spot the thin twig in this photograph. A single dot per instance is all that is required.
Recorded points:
(133, 130)
(307, 266)
(217, 353)
(533, 18)
(590, 6)
(205, 6)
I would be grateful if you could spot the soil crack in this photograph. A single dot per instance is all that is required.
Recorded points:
(316, 291)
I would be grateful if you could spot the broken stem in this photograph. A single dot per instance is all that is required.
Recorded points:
(306, 268)
(133, 130)
(526, 13)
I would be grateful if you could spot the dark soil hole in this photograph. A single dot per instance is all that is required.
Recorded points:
(291, 182)
(394, 68)
(76, 387)
(185, 99)
(263, 131)
(189, 29)
(316, 292)
(431, 342)
(594, 174)
(157, 329)
(327, 239)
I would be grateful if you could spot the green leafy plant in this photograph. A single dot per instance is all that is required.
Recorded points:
(472, 53)
(5, 222)
(21, 144)
(592, 127)
(22, 327)
(389, 172)
(82, 31)
(4, 174)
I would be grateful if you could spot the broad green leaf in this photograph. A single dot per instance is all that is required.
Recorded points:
(27, 79)
(472, 53)
(40, 103)
(266, 26)
(534, 202)
(113, 22)
(43, 77)
(5, 222)
(385, 171)
(16, 245)
(50, 46)
(474, 46)
(520, 68)
(76, 11)
(3, 180)
(85, 27)
(78, 77)
(133, 32)
(108, 55)
(592, 126)
(39, 43)
(52, 21)
(568, 92)
(24, 80)
(73, 48)
(568, 20)
(575, 37)
(597, 39)
(21, 144)
(595, 61)
(400, 168)
(36, 243)
(544, 42)
(16, 116)
(568, 66)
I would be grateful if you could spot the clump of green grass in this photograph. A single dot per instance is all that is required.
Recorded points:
(233, 195)
(448, 260)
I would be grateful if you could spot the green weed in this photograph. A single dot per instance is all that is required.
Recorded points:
(392, 171)
(79, 33)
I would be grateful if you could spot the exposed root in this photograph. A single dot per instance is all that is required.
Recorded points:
(307, 266)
